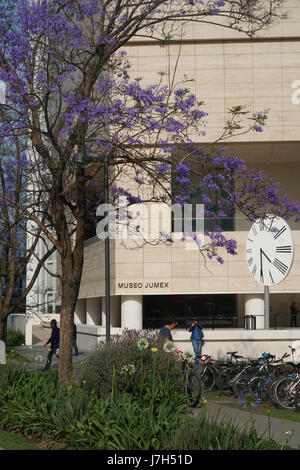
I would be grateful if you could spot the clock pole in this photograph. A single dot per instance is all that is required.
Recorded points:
(267, 307)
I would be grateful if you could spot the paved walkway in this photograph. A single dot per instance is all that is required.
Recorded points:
(279, 429)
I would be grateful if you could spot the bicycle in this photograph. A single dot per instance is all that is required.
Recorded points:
(270, 371)
(286, 388)
(193, 384)
(228, 370)
(207, 371)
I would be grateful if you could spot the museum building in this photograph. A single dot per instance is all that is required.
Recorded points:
(150, 283)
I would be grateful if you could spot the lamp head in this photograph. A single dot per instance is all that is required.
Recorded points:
(81, 158)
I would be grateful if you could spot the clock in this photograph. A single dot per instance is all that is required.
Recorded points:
(270, 250)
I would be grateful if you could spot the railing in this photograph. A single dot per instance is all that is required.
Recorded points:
(208, 321)
(283, 320)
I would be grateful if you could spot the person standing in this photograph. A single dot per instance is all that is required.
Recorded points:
(165, 332)
(294, 311)
(197, 339)
(75, 340)
(54, 343)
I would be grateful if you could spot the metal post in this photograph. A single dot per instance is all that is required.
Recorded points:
(107, 254)
(267, 307)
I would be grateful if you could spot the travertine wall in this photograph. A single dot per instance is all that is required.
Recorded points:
(228, 69)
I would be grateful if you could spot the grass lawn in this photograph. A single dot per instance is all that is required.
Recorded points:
(228, 399)
(14, 441)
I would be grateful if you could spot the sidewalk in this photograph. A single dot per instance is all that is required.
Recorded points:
(37, 354)
(280, 429)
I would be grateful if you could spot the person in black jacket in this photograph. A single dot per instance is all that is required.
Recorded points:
(54, 343)
(75, 340)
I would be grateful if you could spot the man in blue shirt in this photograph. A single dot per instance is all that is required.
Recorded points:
(197, 339)
(165, 332)
(54, 343)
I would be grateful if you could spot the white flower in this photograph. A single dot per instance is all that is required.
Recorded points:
(187, 356)
(168, 347)
(128, 370)
(38, 358)
(142, 344)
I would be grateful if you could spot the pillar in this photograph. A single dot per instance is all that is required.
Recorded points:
(80, 311)
(254, 305)
(93, 311)
(132, 312)
(115, 311)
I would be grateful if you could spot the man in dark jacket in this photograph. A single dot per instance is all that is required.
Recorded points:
(75, 340)
(54, 343)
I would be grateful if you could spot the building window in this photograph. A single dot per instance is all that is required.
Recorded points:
(199, 196)
(212, 310)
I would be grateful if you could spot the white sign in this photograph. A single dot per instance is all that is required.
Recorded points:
(2, 353)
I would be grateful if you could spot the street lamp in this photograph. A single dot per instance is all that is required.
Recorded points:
(80, 158)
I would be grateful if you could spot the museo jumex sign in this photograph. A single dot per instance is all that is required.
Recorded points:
(144, 285)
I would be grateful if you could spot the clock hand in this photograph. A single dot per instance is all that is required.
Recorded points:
(261, 270)
(262, 252)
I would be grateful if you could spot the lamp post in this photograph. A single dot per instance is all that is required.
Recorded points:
(80, 158)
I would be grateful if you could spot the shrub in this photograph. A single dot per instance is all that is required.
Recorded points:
(133, 365)
(10, 373)
(35, 403)
(14, 338)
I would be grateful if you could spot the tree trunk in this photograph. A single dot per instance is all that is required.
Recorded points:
(2, 328)
(70, 288)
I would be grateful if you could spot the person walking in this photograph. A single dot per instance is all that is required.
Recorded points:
(197, 339)
(54, 343)
(294, 311)
(75, 340)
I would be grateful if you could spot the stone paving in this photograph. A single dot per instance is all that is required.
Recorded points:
(280, 430)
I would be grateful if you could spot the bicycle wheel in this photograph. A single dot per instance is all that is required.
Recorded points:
(240, 386)
(285, 391)
(193, 388)
(271, 391)
(297, 400)
(259, 386)
(208, 379)
(221, 382)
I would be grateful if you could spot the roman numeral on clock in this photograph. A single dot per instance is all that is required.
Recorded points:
(254, 230)
(250, 261)
(281, 231)
(254, 270)
(280, 266)
(271, 277)
(284, 249)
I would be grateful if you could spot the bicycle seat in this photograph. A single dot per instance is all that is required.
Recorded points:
(232, 353)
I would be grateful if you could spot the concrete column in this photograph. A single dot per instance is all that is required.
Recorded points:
(28, 331)
(80, 312)
(132, 312)
(115, 311)
(93, 311)
(254, 305)
(103, 312)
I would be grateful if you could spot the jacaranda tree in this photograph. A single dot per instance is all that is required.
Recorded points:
(68, 83)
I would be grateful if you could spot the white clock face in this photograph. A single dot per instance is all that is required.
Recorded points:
(270, 250)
